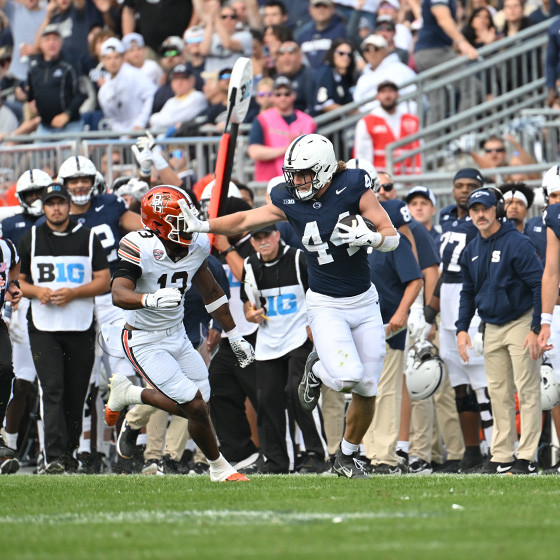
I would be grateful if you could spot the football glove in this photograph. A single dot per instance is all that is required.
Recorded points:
(242, 350)
(360, 235)
(416, 322)
(164, 298)
(193, 224)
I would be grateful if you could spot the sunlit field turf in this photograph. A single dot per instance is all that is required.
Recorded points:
(284, 517)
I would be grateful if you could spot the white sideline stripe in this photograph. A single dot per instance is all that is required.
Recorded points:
(227, 517)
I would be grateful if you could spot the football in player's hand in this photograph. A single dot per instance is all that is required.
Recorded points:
(352, 221)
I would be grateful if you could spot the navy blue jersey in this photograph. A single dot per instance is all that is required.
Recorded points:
(552, 218)
(391, 272)
(535, 230)
(14, 227)
(288, 235)
(398, 212)
(456, 234)
(103, 217)
(425, 246)
(334, 268)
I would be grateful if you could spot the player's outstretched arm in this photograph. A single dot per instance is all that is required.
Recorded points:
(550, 280)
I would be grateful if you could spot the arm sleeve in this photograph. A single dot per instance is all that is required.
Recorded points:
(128, 270)
(24, 250)
(242, 292)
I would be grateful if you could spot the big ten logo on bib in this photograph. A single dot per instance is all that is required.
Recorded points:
(61, 272)
(284, 304)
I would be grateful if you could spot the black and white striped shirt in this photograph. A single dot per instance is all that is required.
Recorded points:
(8, 259)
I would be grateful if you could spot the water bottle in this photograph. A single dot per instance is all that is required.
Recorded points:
(7, 313)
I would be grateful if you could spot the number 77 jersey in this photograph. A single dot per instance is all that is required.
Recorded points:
(147, 260)
(456, 234)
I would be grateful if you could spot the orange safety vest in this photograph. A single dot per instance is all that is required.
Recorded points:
(381, 134)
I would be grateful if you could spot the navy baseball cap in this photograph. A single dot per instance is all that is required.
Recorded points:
(421, 191)
(265, 229)
(483, 196)
(469, 173)
(55, 190)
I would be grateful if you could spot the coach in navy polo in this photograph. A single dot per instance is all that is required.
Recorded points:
(502, 279)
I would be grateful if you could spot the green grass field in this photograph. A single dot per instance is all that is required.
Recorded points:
(279, 517)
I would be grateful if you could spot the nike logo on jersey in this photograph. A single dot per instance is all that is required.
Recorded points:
(338, 191)
(100, 207)
(474, 258)
(503, 468)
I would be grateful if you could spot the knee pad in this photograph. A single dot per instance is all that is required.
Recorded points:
(467, 403)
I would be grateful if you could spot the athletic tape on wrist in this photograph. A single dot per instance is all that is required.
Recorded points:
(546, 318)
(390, 243)
(234, 333)
(217, 303)
(143, 300)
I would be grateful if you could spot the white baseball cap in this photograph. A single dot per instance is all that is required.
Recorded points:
(112, 44)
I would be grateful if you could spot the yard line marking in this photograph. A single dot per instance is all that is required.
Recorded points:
(228, 517)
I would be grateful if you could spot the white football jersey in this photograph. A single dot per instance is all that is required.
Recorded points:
(144, 249)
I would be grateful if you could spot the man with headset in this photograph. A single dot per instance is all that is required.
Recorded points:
(502, 280)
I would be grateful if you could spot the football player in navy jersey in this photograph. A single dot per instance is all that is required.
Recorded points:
(468, 379)
(29, 188)
(342, 303)
(107, 215)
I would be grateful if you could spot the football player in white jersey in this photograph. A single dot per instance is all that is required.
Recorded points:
(156, 267)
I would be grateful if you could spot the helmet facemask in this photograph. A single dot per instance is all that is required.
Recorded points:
(310, 180)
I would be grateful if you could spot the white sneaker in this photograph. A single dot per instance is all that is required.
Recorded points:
(119, 397)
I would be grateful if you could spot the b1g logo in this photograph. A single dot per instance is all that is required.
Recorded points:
(61, 272)
(284, 304)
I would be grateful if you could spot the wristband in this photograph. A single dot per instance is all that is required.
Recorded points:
(217, 303)
(546, 318)
(143, 300)
(229, 250)
(430, 314)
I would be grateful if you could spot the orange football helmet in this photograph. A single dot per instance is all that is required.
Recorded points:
(161, 214)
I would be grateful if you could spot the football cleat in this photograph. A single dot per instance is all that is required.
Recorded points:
(126, 442)
(523, 466)
(118, 398)
(150, 467)
(555, 469)
(402, 458)
(309, 389)
(349, 466)
(8, 461)
(419, 466)
(384, 468)
(236, 477)
(495, 467)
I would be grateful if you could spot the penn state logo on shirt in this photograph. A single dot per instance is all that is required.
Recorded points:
(455, 223)
(57, 73)
(81, 221)
(158, 254)
(317, 205)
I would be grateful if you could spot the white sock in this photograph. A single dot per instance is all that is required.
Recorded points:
(348, 448)
(11, 440)
(134, 394)
(219, 462)
(403, 446)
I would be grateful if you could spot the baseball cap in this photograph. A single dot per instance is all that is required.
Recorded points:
(385, 19)
(265, 229)
(483, 196)
(375, 40)
(170, 44)
(130, 38)
(387, 83)
(112, 44)
(283, 82)
(183, 70)
(51, 28)
(193, 34)
(393, 3)
(421, 191)
(55, 190)
(469, 173)
(325, 2)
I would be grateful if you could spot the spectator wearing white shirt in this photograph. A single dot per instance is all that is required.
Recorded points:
(187, 103)
(135, 53)
(382, 67)
(126, 96)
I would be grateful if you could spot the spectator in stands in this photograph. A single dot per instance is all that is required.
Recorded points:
(387, 189)
(157, 19)
(542, 12)
(53, 85)
(289, 63)
(263, 99)
(187, 103)
(25, 20)
(274, 12)
(126, 96)
(273, 131)
(515, 19)
(403, 35)
(435, 45)
(135, 53)
(553, 63)
(72, 18)
(192, 38)
(222, 44)
(335, 79)
(215, 90)
(385, 26)
(480, 29)
(385, 124)
(258, 58)
(381, 66)
(316, 36)
(274, 36)
(247, 194)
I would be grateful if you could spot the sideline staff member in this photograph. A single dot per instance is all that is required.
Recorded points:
(63, 266)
